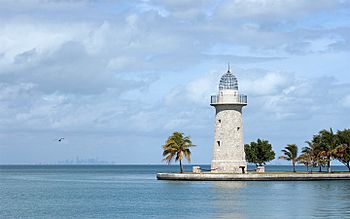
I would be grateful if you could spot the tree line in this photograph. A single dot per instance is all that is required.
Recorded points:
(321, 150)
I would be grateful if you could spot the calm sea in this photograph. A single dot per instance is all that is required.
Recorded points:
(131, 191)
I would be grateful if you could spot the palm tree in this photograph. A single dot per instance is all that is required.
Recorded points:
(328, 142)
(342, 151)
(177, 147)
(310, 156)
(290, 153)
(306, 158)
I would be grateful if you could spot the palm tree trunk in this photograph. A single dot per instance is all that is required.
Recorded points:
(181, 167)
(329, 165)
(293, 162)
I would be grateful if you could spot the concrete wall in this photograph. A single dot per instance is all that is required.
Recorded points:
(252, 177)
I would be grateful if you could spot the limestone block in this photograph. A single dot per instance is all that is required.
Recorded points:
(196, 169)
(260, 169)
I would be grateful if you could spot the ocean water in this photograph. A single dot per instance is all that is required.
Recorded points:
(132, 191)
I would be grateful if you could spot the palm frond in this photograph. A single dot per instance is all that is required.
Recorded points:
(177, 147)
(284, 158)
(187, 153)
(169, 158)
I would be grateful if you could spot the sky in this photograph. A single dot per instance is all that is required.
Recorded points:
(116, 78)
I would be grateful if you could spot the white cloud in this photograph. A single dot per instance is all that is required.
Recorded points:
(73, 67)
(186, 11)
(198, 90)
(268, 9)
(20, 37)
(346, 101)
(269, 83)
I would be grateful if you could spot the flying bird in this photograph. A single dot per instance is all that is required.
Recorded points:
(60, 139)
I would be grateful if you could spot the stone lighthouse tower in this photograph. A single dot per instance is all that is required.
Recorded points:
(228, 151)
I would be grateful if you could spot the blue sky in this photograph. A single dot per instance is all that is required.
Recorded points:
(115, 78)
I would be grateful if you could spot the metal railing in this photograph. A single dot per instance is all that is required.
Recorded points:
(229, 99)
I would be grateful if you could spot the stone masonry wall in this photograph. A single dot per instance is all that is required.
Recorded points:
(228, 153)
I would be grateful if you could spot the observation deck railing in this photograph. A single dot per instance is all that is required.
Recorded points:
(229, 99)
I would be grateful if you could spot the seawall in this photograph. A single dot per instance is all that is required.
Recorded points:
(253, 176)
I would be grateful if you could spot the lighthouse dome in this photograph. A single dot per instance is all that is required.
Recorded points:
(228, 82)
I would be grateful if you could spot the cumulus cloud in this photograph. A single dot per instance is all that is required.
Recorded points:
(149, 67)
(267, 9)
(272, 95)
(195, 91)
(269, 83)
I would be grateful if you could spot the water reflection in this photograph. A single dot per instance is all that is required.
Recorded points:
(228, 200)
(292, 199)
(229, 185)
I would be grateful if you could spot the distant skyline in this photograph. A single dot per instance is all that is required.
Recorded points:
(116, 78)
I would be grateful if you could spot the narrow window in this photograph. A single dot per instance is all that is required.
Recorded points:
(238, 128)
(219, 120)
(218, 142)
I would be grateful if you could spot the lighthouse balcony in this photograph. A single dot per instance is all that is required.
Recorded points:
(228, 99)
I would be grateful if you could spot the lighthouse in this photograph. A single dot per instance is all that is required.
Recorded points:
(228, 149)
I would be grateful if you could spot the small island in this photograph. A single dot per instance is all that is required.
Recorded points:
(230, 155)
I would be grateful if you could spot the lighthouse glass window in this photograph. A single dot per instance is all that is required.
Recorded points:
(228, 82)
